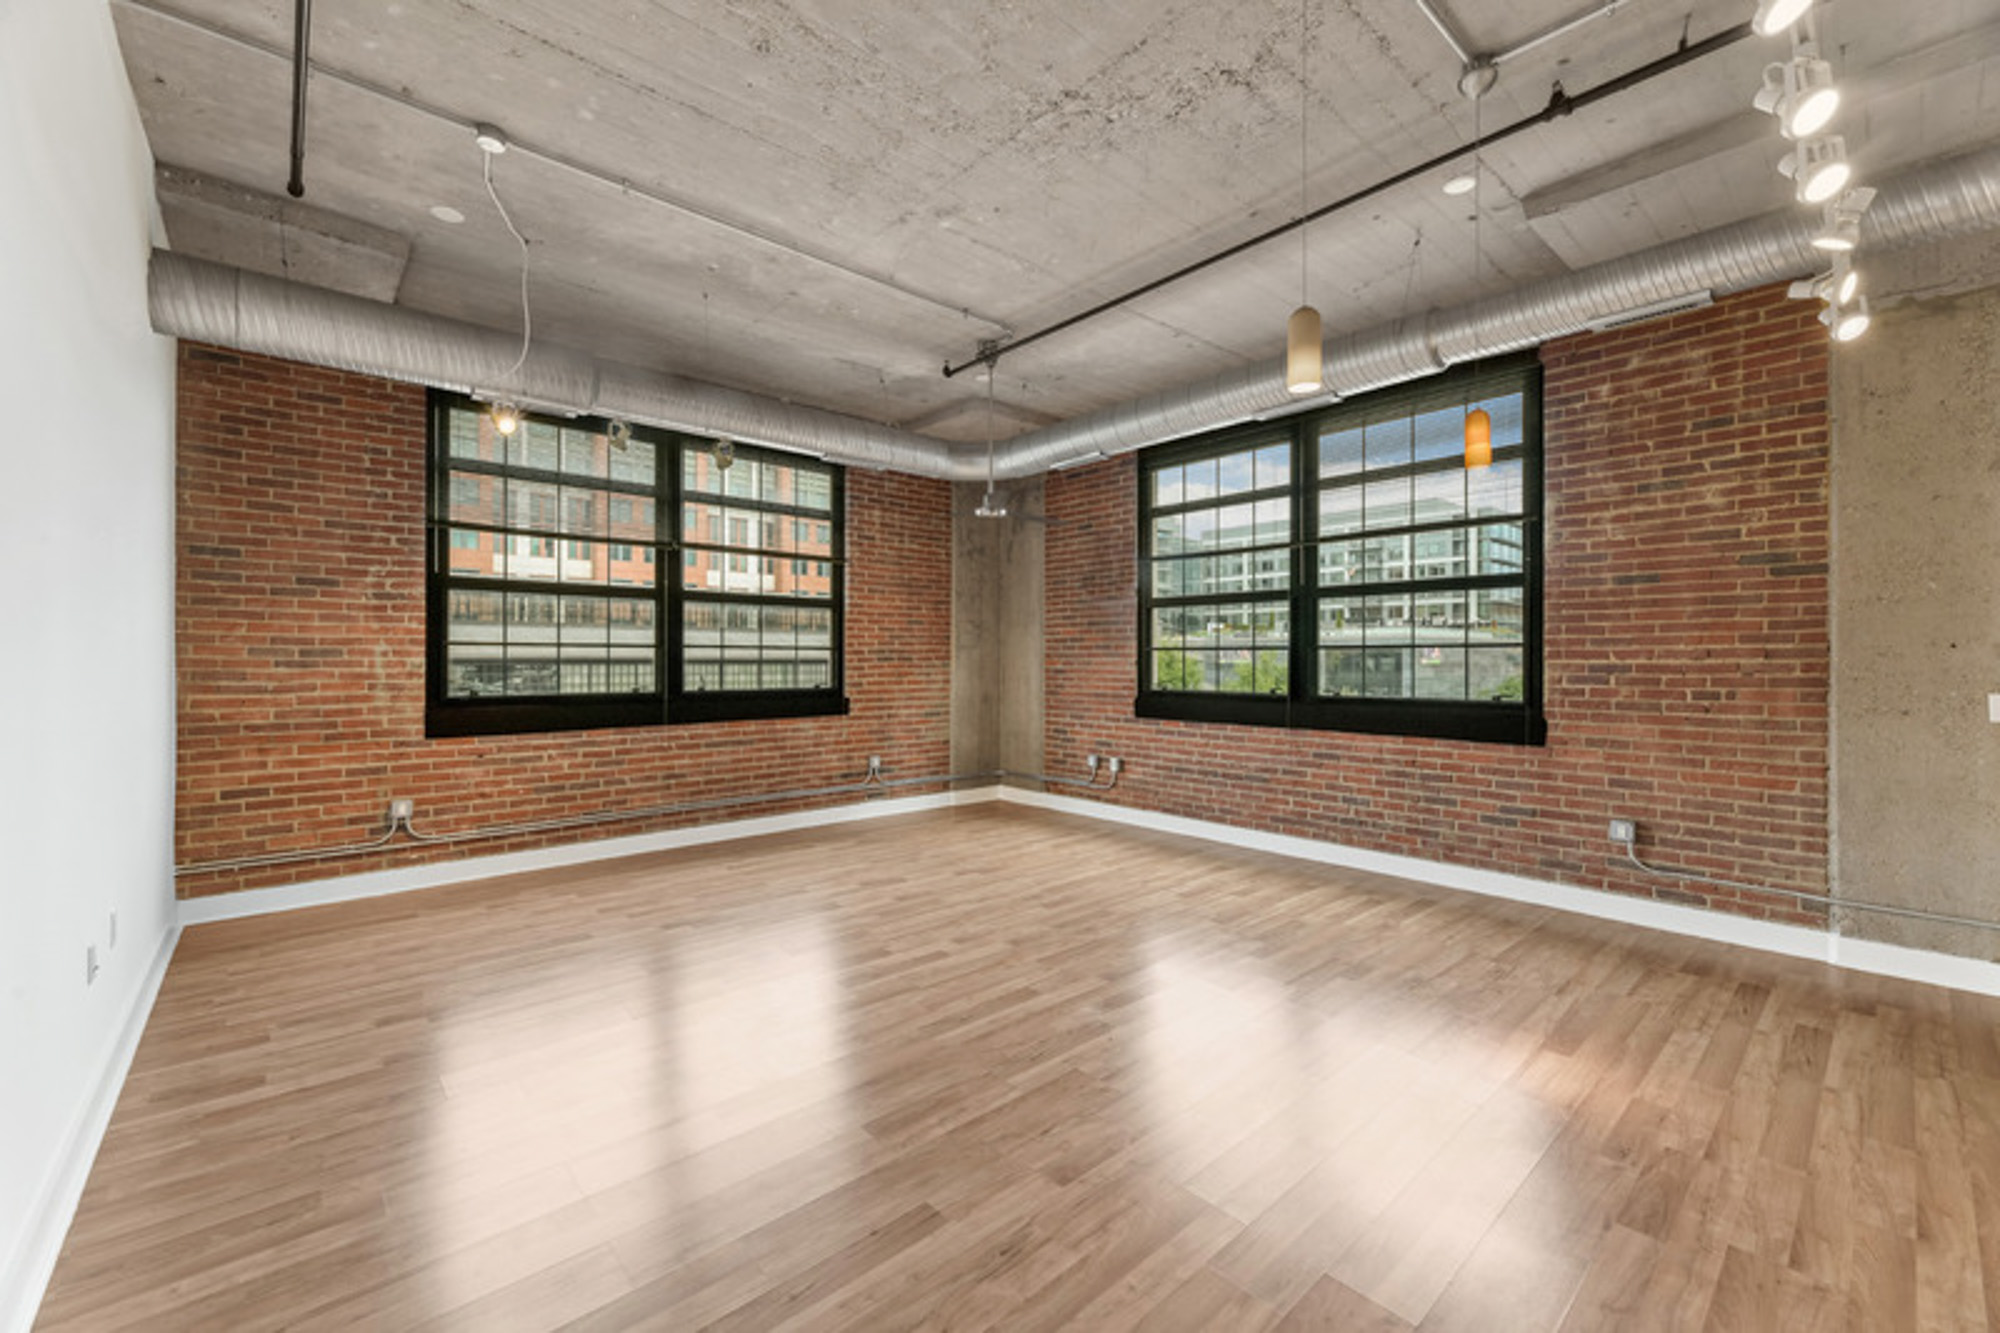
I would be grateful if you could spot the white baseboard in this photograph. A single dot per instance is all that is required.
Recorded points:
(377, 883)
(1891, 960)
(27, 1278)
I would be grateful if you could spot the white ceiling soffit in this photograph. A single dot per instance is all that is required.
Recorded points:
(214, 303)
(825, 202)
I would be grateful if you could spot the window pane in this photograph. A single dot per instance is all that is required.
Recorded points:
(1387, 673)
(1237, 473)
(1440, 673)
(1441, 434)
(1438, 555)
(1440, 616)
(476, 617)
(1388, 444)
(1496, 674)
(1167, 538)
(476, 498)
(1496, 549)
(1339, 511)
(584, 511)
(1341, 672)
(1340, 452)
(1198, 530)
(1201, 483)
(537, 445)
(1505, 412)
(635, 462)
(1386, 619)
(1170, 626)
(1174, 669)
(1440, 496)
(472, 435)
(584, 454)
(1340, 562)
(1236, 526)
(1387, 504)
(477, 554)
(1274, 466)
(1497, 616)
(586, 620)
(1385, 559)
(632, 517)
(1494, 489)
(474, 671)
(533, 505)
(1340, 622)
(1274, 521)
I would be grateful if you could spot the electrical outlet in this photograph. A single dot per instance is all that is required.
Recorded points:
(1993, 708)
(1117, 767)
(1090, 762)
(874, 765)
(89, 964)
(402, 811)
(1624, 831)
(111, 936)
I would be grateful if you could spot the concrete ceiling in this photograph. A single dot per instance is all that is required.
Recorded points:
(826, 200)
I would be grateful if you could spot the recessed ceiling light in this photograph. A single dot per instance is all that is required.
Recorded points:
(446, 213)
(1461, 184)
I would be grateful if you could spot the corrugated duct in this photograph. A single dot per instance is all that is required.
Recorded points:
(214, 303)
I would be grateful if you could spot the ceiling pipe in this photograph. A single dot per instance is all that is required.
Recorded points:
(301, 37)
(214, 303)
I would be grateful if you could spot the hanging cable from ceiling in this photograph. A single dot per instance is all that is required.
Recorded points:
(492, 142)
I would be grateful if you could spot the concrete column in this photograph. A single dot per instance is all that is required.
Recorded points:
(1916, 599)
(996, 641)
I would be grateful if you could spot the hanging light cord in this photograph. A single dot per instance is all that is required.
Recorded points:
(1304, 99)
(527, 324)
(1478, 190)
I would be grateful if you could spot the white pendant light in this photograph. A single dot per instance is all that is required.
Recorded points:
(506, 418)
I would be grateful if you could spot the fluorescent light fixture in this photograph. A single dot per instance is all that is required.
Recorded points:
(1464, 184)
(1774, 16)
(1304, 372)
(1817, 168)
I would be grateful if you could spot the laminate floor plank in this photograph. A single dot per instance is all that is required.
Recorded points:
(995, 1068)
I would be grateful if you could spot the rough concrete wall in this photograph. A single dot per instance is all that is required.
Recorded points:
(1916, 601)
(996, 640)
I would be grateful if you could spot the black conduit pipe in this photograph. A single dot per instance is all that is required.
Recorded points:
(1560, 104)
(301, 35)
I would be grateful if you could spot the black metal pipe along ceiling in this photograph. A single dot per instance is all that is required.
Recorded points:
(1560, 104)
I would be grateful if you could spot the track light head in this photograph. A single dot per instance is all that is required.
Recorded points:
(1774, 16)
(1847, 322)
(1838, 286)
(1840, 228)
(1800, 93)
(1817, 168)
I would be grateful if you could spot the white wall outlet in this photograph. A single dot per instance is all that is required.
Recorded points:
(401, 812)
(89, 964)
(1993, 708)
(1624, 830)
(111, 935)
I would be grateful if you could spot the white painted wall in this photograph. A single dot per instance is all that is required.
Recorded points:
(86, 612)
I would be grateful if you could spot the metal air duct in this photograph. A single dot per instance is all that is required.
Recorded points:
(215, 303)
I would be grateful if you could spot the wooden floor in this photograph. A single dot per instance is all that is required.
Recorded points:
(995, 1068)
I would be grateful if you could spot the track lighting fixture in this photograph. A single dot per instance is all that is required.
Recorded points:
(1838, 286)
(1774, 16)
(1800, 93)
(1840, 231)
(1847, 322)
(1817, 168)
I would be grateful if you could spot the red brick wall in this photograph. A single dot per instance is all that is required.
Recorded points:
(301, 647)
(1686, 649)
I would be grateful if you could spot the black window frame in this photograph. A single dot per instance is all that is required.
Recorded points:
(669, 702)
(1514, 722)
